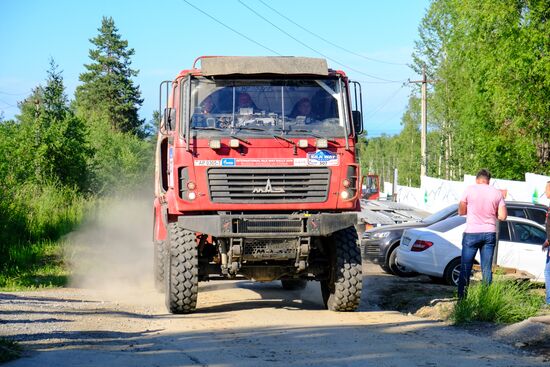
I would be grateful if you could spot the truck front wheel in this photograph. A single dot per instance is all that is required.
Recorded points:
(342, 290)
(181, 270)
(158, 264)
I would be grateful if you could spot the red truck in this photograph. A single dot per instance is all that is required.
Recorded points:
(257, 177)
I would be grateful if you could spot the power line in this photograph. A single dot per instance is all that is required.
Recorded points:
(310, 48)
(383, 104)
(329, 42)
(388, 82)
(12, 94)
(230, 28)
(7, 104)
(392, 117)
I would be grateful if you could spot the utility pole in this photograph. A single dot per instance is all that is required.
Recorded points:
(423, 121)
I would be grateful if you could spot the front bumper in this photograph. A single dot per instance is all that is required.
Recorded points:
(268, 225)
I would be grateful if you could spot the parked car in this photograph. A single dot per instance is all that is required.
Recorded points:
(379, 244)
(376, 213)
(436, 250)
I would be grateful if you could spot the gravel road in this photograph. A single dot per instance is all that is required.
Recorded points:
(238, 323)
(112, 316)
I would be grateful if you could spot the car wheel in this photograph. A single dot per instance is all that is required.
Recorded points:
(452, 272)
(397, 269)
(386, 269)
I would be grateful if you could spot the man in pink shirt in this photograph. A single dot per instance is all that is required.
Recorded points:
(483, 205)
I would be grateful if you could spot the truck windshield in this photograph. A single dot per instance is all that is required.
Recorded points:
(256, 106)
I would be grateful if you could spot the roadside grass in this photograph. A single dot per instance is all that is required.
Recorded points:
(33, 221)
(9, 350)
(33, 266)
(503, 302)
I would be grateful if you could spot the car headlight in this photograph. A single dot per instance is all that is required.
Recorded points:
(381, 234)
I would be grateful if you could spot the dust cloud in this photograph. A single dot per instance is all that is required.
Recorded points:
(112, 251)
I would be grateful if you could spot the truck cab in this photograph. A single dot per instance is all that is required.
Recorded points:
(257, 177)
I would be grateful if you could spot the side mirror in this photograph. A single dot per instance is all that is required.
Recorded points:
(169, 118)
(357, 121)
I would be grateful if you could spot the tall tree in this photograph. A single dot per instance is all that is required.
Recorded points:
(490, 101)
(59, 150)
(108, 91)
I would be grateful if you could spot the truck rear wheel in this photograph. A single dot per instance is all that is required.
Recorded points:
(342, 290)
(293, 284)
(158, 264)
(182, 281)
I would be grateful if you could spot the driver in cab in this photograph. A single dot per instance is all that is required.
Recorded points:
(205, 108)
(302, 111)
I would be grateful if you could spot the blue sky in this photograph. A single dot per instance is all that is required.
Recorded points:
(168, 35)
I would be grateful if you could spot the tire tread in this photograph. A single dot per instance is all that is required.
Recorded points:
(349, 277)
(182, 270)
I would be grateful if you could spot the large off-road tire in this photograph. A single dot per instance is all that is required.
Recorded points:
(182, 280)
(397, 269)
(158, 264)
(293, 284)
(342, 290)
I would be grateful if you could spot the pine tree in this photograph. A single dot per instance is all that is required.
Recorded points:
(55, 148)
(108, 92)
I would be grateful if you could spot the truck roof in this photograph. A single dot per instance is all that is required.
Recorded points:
(246, 65)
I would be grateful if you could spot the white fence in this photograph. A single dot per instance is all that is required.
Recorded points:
(435, 193)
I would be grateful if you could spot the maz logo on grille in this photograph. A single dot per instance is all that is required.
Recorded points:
(268, 189)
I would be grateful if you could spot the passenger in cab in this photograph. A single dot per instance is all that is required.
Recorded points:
(302, 111)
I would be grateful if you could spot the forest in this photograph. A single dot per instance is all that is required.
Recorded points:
(59, 158)
(488, 100)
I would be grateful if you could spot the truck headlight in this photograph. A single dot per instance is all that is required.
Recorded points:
(345, 195)
(321, 143)
(215, 144)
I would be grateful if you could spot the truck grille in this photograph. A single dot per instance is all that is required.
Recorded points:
(268, 225)
(268, 185)
(269, 249)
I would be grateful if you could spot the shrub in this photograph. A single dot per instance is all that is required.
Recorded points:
(31, 213)
(504, 301)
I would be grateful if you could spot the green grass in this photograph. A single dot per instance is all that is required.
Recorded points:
(9, 350)
(33, 219)
(33, 266)
(504, 301)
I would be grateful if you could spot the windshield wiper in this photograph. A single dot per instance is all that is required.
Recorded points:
(311, 134)
(211, 128)
(206, 128)
(234, 136)
(270, 133)
(251, 128)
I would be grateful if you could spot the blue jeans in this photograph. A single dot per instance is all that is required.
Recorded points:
(471, 242)
(547, 276)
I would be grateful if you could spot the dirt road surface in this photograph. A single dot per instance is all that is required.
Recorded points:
(238, 323)
(112, 316)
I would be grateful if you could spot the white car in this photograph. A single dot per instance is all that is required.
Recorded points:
(436, 250)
